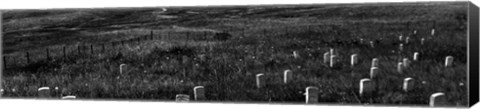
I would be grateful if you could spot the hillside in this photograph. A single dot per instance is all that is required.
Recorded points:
(169, 50)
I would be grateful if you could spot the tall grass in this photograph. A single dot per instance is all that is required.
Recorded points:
(159, 69)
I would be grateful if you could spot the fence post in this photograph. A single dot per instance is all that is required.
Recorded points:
(204, 35)
(28, 57)
(151, 35)
(64, 53)
(188, 35)
(85, 49)
(91, 48)
(103, 47)
(48, 54)
(113, 45)
(408, 25)
(4, 62)
(78, 49)
(264, 32)
(168, 35)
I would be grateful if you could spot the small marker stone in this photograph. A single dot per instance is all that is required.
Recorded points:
(422, 41)
(372, 44)
(438, 99)
(311, 95)
(448, 61)
(354, 59)
(374, 72)
(332, 52)
(400, 67)
(333, 60)
(44, 92)
(69, 97)
(408, 84)
(366, 86)
(406, 62)
(287, 76)
(375, 62)
(326, 57)
(199, 92)
(400, 47)
(433, 32)
(182, 98)
(415, 56)
(260, 80)
(296, 55)
(123, 67)
(407, 40)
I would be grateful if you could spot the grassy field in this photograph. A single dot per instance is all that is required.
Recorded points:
(170, 52)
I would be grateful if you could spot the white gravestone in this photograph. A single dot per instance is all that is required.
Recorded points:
(415, 56)
(448, 61)
(287, 76)
(438, 99)
(408, 84)
(182, 98)
(296, 55)
(326, 57)
(366, 86)
(406, 62)
(374, 72)
(333, 60)
(354, 59)
(199, 92)
(69, 97)
(260, 80)
(375, 62)
(123, 68)
(311, 95)
(400, 67)
(44, 92)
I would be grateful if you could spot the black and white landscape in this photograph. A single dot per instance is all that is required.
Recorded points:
(380, 54)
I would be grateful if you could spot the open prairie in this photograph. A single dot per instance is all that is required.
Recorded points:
(170, 50)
